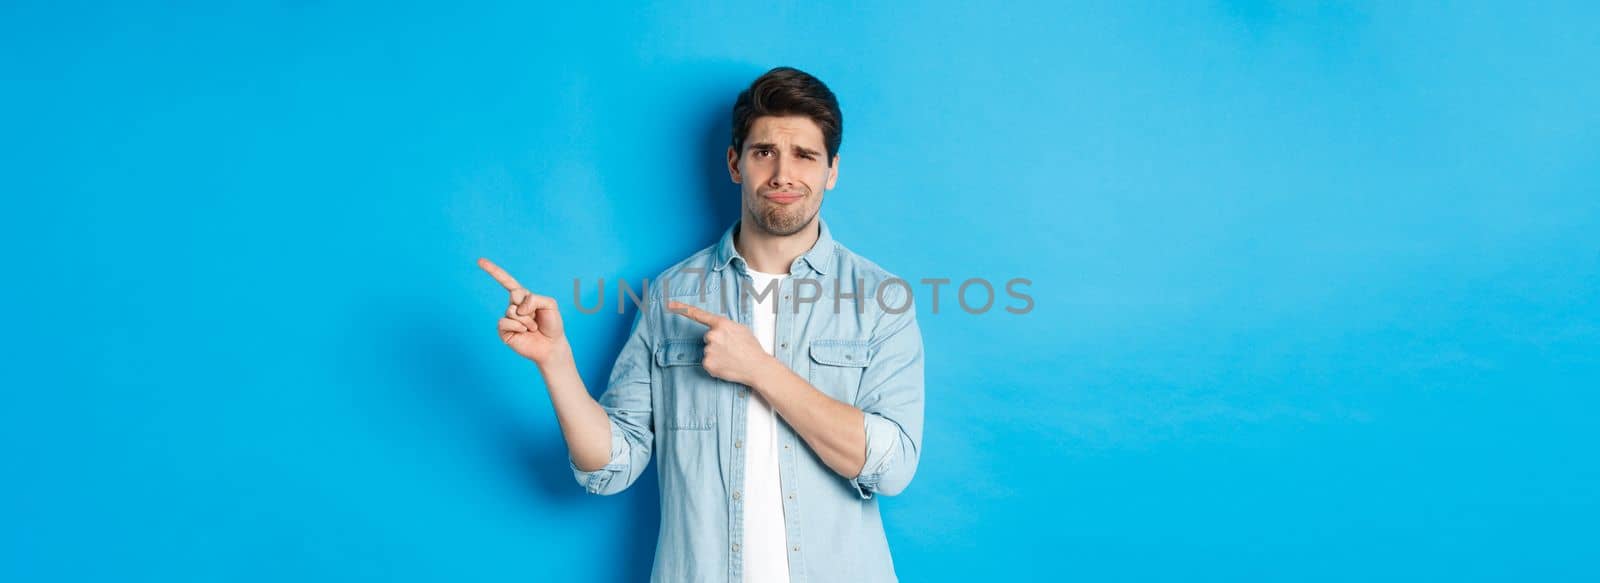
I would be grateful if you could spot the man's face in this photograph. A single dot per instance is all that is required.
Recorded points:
(782, 173)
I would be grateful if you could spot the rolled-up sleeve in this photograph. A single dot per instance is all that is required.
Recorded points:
(627, 404)
(891, 397)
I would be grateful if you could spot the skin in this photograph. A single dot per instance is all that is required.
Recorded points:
(781, 156)
(783, 174)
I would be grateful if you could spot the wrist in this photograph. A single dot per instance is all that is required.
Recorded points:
(766, 371)
(560, 357)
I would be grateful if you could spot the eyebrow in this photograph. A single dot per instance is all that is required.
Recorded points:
(772, 146)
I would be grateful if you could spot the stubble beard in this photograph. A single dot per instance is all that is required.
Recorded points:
(782, 220)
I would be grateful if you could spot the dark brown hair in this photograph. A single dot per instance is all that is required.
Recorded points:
(789, 91)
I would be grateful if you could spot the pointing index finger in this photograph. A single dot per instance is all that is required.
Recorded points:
(693, 313)
(499, 275)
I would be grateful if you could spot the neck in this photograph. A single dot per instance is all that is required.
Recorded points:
(770, 253)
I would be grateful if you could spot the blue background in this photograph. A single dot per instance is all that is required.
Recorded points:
(1316, 283)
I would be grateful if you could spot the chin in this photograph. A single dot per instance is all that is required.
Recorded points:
(783, 224)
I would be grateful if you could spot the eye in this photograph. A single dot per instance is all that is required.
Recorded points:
(762, 153)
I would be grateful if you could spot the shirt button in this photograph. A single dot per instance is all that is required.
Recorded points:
(797, 548)
(784, 345)
(735, 547)
(735, 494)
(738, 443)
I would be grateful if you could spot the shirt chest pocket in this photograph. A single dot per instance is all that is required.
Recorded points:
(689, 393)
(837, 367)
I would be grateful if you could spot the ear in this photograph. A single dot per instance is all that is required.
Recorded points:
(733, 165)
(833, 172)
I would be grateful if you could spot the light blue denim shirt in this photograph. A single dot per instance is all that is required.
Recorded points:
(839, 333)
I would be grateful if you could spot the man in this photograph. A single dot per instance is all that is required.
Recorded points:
(781, 389)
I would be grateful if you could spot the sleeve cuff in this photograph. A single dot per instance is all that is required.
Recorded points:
(882, 435)
(595, 482)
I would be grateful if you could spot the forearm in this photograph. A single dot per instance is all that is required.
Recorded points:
(584, 423)
(834, 430)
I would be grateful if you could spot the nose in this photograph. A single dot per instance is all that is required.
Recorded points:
(780, 179)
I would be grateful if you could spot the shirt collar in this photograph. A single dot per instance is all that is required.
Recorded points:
(819, 258)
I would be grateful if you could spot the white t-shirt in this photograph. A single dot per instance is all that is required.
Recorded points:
(766, 554)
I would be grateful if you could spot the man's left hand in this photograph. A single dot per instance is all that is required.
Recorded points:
(732, 352)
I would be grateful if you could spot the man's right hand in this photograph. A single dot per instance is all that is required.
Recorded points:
(532, 323)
